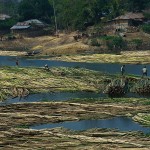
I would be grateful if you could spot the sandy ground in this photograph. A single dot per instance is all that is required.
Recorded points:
(128, 57)
(47, 45)
(12, 53)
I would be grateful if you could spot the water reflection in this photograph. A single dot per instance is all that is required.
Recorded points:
(62, 96)
(59, 96)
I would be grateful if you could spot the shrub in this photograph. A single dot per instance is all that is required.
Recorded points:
(94, 42)
(138, 42)
(142, 87)
(146, 28)
(115, 43)
(7, 24)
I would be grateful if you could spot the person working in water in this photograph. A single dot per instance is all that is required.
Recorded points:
(46, 67)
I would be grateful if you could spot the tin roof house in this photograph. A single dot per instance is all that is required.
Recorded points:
(32, 27)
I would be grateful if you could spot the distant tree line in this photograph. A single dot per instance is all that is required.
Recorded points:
(72, 14)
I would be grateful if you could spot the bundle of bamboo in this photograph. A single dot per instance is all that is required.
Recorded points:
(117, 87)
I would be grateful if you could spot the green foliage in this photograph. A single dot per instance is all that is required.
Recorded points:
(142, 87)
(35, 9)
(147, 15)
(7, 24)
(146, 28)
(73, 14)
(9, 7)
(114, 42)
(138, 42)
(94, 42)
(23, 126)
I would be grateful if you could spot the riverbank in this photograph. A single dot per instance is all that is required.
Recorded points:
(60, 138)
(17, 118)
(126, 57)
(37, 80)
(66, 48)
(13, 135)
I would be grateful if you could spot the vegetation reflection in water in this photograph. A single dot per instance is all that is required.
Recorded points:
(65, 96)
(120, 123)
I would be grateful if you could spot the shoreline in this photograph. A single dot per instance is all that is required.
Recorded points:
(126, 57)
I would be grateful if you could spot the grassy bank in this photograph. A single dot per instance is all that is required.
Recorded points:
(123, 58)
(55, 79)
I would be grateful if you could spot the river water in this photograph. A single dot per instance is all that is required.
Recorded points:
(63, 96)
(104, 67)
(120, 123)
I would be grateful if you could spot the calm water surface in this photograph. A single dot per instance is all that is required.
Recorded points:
(59, 96)
(108, 68)
(120, 123)
(62, 96)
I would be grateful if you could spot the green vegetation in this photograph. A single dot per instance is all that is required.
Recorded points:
(23, 126)
(146, 28)
(35, 9)
(133, 101)
(138, 42)
(79, 14)
(142, 86)
(115, 43)
(16, 79)
(75, 14)
(7, 24)
(143, 118)
(94, 42)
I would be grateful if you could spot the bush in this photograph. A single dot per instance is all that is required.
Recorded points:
(142, 87)
(11, 37)
(7, 24)
(94, 42)
(115, 43)
(146, 28)
(138, 42)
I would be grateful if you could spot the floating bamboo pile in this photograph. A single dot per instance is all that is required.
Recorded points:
(116, 88)
(142, 86)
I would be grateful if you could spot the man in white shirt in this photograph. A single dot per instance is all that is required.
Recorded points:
(144, 71)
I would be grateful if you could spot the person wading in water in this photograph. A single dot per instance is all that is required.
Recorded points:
(17, 62)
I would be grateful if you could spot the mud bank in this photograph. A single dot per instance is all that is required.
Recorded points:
(60, 138)
(45, 112)
(15, 117)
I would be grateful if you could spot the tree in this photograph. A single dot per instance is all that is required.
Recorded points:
(39, 9)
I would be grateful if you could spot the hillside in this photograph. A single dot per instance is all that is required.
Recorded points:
(48, 45)
(65, 44)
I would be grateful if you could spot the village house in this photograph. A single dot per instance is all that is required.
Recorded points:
(125, 22)
(31, 28)
(4, 17)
